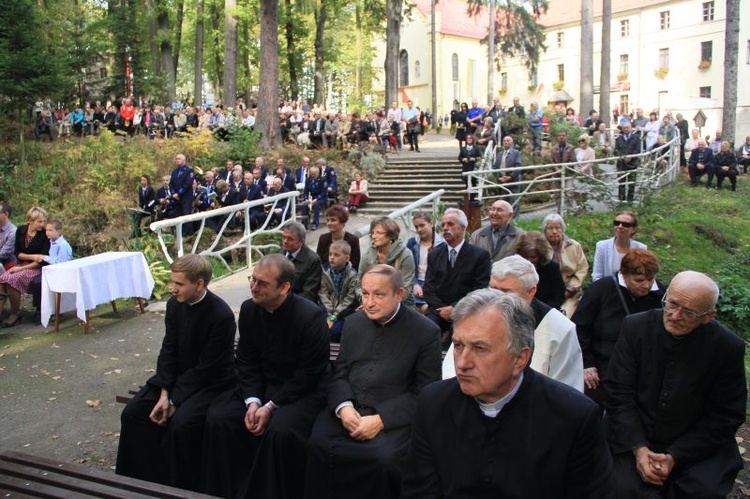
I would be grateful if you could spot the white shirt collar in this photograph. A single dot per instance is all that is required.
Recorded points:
(621, 282)
(492, 409)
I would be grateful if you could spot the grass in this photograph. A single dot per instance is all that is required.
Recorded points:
(689, 229)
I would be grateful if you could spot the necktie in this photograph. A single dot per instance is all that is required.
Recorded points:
(453, 255)
(502, 164)
(290, 256)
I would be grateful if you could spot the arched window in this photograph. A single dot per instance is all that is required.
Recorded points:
(454, 66)
(403, 61)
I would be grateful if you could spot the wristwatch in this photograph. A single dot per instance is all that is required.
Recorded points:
(271, 406)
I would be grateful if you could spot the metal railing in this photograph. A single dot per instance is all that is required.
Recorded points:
(272, 224)
(404, 214)
(566, 185)
(246, 239)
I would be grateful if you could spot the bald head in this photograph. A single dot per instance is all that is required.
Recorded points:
(689, 303)
(501, 213)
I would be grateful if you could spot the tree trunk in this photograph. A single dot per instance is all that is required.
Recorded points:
(152, 38)
(217, 43)
(358, 49)
(320, 80)
(392, 42)
(165, 47)
(291, 50)
(604, 78)
(731, 54)
(268, 117)
(230, 53)
(587, 58)
(198, 80)
(180, 14)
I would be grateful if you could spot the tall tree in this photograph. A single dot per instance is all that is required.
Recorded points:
(268, 118)
(731, 55)
(320, 24)
(392, 43)
(164, 35)
(606, 61)
(230, 52)
(198, 77)
(587, 56)
(517, 32)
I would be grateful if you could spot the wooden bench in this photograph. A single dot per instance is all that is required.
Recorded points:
(24, 475)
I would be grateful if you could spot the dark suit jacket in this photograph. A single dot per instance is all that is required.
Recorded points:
(568, 155)
(445, 286)
(146, 200)
(546, 443)
(512, 160)
(475, 154)
(254, 191)
(298, 175)
(708, 159)
(627, 147)
(307, 273)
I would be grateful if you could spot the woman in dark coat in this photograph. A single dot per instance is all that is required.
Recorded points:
(460, 119)
(534, 247)
(31, 241)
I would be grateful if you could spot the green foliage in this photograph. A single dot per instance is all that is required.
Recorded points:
(243, 144)
(518, 34)
(149, 246)
(688, 229)
(27, 70)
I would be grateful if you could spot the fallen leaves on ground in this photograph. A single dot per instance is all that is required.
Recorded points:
(94, 403)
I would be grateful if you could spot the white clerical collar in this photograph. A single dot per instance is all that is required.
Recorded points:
(492, 409)
(383, 323)
(621, 282)
(199, 299)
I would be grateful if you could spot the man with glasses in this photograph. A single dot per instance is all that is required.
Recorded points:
(282, 364)
(676, 395)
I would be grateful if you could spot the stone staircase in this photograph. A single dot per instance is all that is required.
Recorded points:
(409, 178)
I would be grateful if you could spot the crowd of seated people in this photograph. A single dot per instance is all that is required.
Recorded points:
(367, 418)
(235, 184)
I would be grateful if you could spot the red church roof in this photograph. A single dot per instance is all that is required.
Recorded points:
(455, 18)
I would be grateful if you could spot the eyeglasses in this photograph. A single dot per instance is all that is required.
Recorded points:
(257, 282)
(627, 225)
(671, 308)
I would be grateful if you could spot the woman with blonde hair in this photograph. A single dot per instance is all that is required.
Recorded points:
(31, 241)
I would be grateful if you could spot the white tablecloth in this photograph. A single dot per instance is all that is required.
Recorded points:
(91, 281)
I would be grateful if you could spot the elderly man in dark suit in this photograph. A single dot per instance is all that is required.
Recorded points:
(388, 354)
(181, 186)
(701, 162)
(627, 144)
(676, 395)
(499, 429)
(308, 271)
(499, 237)
(509, 157)
(454, 268)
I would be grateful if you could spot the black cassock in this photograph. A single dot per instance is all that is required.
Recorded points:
(195, 365)
(282, 357)
(380, 369)
(685, 396)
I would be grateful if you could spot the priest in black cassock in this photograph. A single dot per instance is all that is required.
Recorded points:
(256, 434)
(162, 426)
(388, 354)
(499, 429)
(676, 395)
